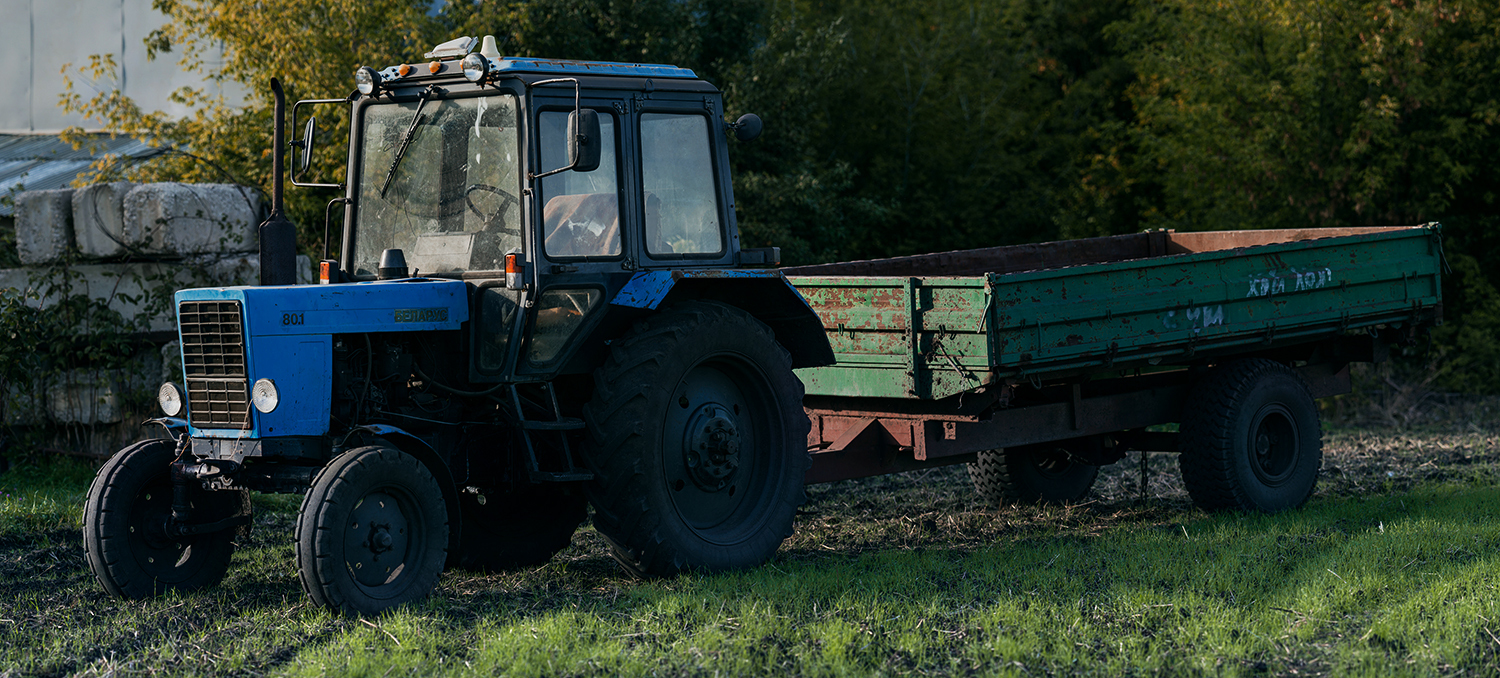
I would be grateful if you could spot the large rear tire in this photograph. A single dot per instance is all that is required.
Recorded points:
(1035, 474)
(125, 521)
(1251, 439)
(373, 532)
(698, 442)
(521, 528)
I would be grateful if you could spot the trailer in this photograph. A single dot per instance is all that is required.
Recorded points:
(1038, 363)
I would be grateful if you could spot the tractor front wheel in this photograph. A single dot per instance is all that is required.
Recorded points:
(373, 532)
(127, 536)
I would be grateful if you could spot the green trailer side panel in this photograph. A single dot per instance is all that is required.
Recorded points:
(934, 337)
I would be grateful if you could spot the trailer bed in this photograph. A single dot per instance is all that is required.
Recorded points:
(934, 326)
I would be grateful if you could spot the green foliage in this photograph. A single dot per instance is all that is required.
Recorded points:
(1291, 114)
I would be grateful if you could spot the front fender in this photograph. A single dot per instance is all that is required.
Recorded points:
(765, 294)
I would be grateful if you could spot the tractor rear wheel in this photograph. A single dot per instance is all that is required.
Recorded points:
(519, 528)
(698, 442)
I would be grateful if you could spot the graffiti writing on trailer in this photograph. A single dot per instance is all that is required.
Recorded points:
(1195, 319)
(1275, 282)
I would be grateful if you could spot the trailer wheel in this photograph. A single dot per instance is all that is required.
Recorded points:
(518, 529)
(125, 534)
(1034, 474)
(1251, 439)
(372, 533)
(698, 442)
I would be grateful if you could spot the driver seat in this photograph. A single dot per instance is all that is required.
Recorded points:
(570, 221)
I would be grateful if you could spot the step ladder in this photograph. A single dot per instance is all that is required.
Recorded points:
(548, 430)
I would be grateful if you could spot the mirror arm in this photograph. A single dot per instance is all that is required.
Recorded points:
(577, 106)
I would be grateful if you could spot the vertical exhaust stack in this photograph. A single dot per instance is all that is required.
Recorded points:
(278, 237)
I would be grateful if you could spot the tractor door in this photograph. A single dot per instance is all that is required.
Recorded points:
(583, 224)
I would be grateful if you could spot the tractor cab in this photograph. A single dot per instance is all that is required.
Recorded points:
(545, 184)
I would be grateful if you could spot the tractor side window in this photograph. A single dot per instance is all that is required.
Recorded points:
(581, 213)
(677, 173)
(559, 313)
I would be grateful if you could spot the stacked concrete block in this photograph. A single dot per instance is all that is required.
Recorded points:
(99, 220)
(44, 225)
(179, 219)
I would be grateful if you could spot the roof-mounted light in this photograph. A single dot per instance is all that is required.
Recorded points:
(452, 49)
(367, 81)
(476, 67)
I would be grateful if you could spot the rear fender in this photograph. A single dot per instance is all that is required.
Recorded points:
(767, 295)
(424, 453)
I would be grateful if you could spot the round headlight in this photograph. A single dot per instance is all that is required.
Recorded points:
(475, 67)
(264, 396)
(367, 81)
(170, 399)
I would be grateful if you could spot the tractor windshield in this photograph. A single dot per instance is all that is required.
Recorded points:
(439, 181)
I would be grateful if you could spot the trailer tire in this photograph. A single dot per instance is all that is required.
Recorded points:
(522, 528)
(124, 527)
(698, 442)
(1034, 474)
(367, 502)
(1251, 439)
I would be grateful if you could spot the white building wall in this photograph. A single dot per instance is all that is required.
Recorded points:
(38, 37)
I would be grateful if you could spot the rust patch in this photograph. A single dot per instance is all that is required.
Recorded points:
(1074, 340)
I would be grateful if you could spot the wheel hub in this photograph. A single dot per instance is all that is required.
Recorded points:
(377, 539)
(1274, 443)
(713, 451)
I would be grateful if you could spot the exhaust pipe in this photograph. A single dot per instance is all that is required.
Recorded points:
(278, 237)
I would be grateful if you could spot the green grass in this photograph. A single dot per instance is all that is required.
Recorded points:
(1392, 569)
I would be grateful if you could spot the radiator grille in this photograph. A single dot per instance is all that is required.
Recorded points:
(213, 358)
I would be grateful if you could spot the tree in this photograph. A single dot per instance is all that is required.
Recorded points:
(313, 46)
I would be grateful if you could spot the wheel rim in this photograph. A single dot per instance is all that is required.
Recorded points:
(159, 555)
(720, 426)
(1274, 444)
(379, 542)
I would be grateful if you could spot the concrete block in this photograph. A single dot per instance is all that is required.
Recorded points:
(171, 364)
(44, 225)
(179, 219)
(142, 291)
(86, 397)
(244, 269)
(99, 220)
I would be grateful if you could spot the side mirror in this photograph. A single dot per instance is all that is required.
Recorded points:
(747, 127)
(307, 141)
(584, 142)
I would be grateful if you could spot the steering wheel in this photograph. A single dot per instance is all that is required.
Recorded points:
(506, 200)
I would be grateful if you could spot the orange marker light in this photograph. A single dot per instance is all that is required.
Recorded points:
(323, 272)
(435, 66)
(404, 70)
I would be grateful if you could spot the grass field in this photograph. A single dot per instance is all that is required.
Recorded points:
(1392, 569)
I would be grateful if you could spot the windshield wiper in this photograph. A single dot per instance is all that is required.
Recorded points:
(411, 133)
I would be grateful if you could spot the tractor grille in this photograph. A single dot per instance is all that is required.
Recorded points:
(213, 356)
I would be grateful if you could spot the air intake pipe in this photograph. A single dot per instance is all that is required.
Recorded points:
(278, 237)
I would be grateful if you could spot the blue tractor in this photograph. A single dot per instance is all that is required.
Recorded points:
(540, 304)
